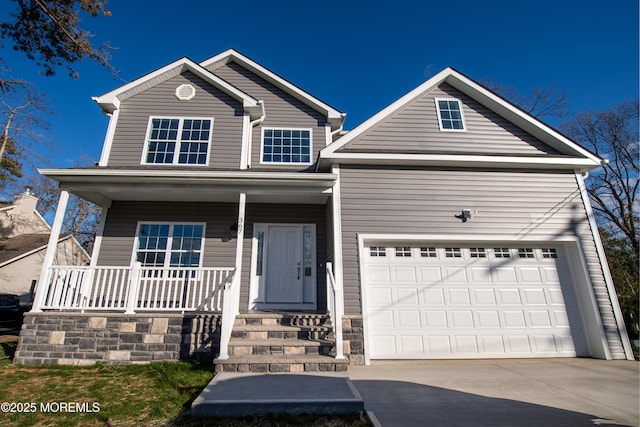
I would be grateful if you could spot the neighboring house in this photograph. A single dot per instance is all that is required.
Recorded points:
(24, 235)
(449, 225)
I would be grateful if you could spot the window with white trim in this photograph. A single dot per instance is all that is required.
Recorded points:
(169, 244)
(501, 253)
(453, 252)
(549, 253)
(377, 251)
(286, 146)
(450, 115)
(428, 252)
(526, 253)
(477, 252)
(178, 141)
(403, 251)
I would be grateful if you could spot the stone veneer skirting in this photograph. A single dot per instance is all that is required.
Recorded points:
(353, 339)
(115, 338)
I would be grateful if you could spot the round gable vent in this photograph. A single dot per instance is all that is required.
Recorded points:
(185, 92)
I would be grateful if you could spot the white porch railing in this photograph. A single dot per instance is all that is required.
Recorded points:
(132, 289)
(335, 307)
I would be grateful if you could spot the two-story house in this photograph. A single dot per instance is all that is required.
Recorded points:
(449, 225)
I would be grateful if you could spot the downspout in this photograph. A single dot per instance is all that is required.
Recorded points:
(253, 124)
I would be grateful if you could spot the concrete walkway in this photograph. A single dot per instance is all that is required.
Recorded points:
(527, 392)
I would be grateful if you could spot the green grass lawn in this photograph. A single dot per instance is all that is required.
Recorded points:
(157, 394)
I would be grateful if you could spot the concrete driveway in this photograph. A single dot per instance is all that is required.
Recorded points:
(527, 392)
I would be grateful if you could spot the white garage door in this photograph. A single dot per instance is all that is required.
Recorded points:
(447, 301)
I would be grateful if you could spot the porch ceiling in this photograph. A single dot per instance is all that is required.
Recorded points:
(102, 186)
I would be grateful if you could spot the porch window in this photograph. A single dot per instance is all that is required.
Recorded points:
(183, 141)
(170, 245)
(286, 146)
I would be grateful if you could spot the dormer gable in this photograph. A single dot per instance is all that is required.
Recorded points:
(450, 120)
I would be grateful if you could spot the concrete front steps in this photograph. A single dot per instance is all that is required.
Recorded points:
(263, 342)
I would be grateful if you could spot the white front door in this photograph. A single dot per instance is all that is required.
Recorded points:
(284, 265)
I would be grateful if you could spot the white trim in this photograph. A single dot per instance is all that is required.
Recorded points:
(335, 117)
(608, 278)
(593, 329)
(108, 139)
(336, 209)
(490, 100)
(111, 101)
(178, 141)
(168, 250)
(97, 244)
(190, 96)
(439, 114)
(462, 160)
(257, 287)
(245, 153)
(310, 130)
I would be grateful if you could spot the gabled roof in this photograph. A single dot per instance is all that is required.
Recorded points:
(18, 247)
(575, 156)
(335, 117)
(110, 101)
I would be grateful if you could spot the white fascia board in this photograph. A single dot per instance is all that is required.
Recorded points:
(140, 176)
(7, 208)
(334, 116)
(581, 164)
(110, 101)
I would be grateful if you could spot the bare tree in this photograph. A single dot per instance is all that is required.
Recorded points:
(542, 102)
(613, 189)
(613, 135)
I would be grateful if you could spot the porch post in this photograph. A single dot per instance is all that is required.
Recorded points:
(43, 281)
(337, 262)
(231, 301)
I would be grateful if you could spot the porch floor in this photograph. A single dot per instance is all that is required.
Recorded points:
(237, 395)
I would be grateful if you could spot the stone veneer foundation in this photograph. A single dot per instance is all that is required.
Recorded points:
(85, 339)
(115, 338)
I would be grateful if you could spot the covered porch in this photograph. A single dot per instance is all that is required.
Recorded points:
(224, 280)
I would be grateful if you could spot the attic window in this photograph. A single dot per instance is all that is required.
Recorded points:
(185, 92)
(450, 115)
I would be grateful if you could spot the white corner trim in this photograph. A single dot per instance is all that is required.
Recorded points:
(608, 278)
(108, 139)
(247, 133)
(97, 244)
(364, 299)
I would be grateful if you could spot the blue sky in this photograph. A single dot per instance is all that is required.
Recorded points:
(358, 56)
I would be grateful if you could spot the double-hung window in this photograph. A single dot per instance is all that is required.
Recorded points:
(166, 245)
(450, 115)
(286, 146)
(178, 141)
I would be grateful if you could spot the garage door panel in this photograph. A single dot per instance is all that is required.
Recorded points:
(457, 302)
(459, 296)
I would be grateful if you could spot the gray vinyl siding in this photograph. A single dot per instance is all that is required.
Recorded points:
(122, 219)
(226, 143)
(282, 111)
(285, 214)
(415, 129)
(510, 204)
